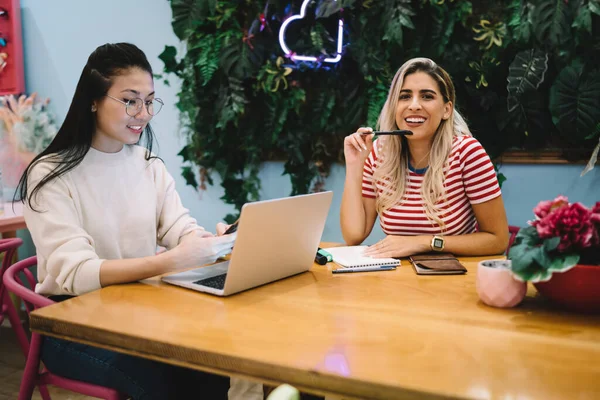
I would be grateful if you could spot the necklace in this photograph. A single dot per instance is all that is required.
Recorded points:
(418, 162)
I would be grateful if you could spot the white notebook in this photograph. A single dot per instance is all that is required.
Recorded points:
(352, 257)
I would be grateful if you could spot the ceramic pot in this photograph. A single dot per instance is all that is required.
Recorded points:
(577, 289)
(496, 285)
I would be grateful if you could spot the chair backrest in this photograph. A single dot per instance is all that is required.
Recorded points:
(9, 246)
(15, 284)
(13, 279)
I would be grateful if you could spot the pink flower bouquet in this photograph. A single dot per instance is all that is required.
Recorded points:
(561, 236)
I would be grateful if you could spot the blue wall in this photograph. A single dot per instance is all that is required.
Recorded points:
(59, 35)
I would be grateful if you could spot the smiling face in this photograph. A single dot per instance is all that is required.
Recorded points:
(421, 106)
(114, 127)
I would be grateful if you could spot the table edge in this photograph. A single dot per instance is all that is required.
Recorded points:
(13, 224)
(212, 362)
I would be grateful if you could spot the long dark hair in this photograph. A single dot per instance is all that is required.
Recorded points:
(74, 138)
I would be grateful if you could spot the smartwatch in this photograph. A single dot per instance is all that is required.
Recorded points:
(437, 243)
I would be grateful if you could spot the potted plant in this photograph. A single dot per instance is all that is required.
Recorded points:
(560, 253)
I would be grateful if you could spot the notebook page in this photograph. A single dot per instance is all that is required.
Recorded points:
(351, 256)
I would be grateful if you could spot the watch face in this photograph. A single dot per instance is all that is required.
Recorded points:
(438, 243)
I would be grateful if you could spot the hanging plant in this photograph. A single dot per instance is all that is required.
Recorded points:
(244, 100)
(552, 22)
(526, 73)
(574, 100)
(490, 34)
(273, 75)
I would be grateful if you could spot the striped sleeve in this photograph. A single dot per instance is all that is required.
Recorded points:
(479, 177)
(368, 185)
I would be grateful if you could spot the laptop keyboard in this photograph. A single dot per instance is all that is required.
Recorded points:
(216, 282)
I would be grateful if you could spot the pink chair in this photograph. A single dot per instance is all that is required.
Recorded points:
(32, 375)
(8, 247)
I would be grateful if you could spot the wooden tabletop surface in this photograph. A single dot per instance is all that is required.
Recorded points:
(379, 335)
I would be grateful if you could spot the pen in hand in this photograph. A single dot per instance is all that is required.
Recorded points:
(401, 132)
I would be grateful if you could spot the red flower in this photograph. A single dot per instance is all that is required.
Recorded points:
(571, 222)
(545, 207)
(595, 218)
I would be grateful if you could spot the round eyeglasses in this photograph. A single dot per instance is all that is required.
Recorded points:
(134, 106)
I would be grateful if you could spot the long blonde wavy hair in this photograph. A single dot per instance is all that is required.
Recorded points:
(391, 174)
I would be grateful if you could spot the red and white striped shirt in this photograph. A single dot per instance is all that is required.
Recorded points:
(469, 178)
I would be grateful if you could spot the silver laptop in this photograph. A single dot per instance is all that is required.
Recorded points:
(275, 239)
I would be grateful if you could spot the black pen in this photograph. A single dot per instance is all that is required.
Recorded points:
(397, 133)
(363, 269)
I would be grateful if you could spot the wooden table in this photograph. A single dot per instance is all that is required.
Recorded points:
(379, 335)
(11, 221)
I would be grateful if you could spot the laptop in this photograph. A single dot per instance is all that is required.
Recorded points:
(275, 239)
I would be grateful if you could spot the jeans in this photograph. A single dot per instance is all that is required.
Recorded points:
(139, 378)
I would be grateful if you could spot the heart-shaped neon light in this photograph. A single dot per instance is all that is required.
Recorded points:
(293, 56)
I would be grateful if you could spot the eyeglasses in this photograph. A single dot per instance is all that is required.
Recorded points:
(133, 107)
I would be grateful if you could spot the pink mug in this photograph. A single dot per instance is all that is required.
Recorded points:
(496, 285)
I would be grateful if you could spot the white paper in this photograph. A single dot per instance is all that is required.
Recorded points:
(352, 256)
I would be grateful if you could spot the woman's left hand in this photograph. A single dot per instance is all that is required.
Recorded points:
(398, 246)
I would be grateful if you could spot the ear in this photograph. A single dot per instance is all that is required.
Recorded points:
(448, 108)
(94, 107)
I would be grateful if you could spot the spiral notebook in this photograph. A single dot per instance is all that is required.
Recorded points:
(352, 257)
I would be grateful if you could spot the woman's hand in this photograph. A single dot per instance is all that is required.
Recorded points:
(221, 228)
(224, 229)
(399, 246)
(357, 146)
(193, 250)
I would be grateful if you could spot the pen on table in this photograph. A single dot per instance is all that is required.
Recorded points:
(320, 259)
(323, 257)
(364, 269)
(325, 253)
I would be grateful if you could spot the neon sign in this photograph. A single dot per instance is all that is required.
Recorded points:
(292, 55)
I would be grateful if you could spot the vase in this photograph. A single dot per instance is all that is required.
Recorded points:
(496, 285)
(577, 289)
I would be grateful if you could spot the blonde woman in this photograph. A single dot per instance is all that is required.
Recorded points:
(435, 190)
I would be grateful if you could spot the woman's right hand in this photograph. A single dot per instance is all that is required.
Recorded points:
(193, 251)
(358, 146)
(222, 228)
